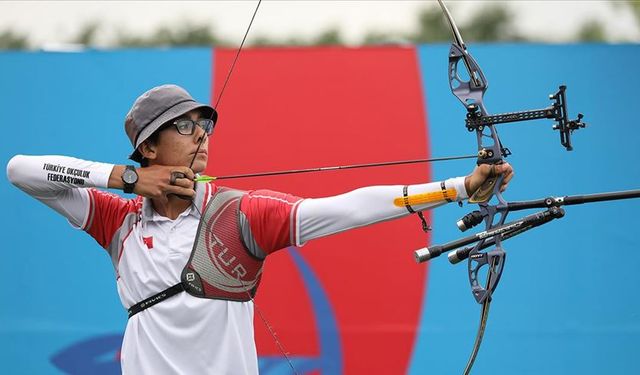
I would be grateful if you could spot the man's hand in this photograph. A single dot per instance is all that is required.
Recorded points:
(160, 181)
(482, 172)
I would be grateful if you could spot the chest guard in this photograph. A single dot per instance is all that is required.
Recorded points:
(220, 265)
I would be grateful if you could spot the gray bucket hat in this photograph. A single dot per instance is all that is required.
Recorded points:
(156, 107)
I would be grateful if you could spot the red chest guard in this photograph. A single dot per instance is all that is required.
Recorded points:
(220, 265)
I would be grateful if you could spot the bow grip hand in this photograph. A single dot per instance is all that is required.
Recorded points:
(480, 184)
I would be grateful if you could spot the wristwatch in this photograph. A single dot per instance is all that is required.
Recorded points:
(129, 177)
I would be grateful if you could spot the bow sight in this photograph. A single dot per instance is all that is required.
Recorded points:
(476, 120)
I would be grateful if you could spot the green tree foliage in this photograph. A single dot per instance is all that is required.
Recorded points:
(10, 40)
(378, 38)
(265, 41)
(592, 31)
(87, 34)
(432, 27)
(634, 5)
(493, 22)
(186, 34)
(330, 37)
(490, 21)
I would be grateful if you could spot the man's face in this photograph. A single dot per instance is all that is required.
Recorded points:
(174, 148)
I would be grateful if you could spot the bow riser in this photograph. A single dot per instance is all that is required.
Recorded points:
(471, 93)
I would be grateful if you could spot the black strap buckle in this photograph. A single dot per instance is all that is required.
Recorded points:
(155, 299)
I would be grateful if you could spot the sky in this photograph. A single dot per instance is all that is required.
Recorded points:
(55, 22)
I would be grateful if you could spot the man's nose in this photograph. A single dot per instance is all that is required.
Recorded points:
(199, 134)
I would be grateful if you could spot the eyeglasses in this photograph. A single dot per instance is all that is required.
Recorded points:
(187, 126)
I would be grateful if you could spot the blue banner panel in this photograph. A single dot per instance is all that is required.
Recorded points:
(567, 300)
(58, 295)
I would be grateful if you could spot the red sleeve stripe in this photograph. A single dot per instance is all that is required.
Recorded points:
(207, 195)
(121, 250)
(274, 198)
(293, 232)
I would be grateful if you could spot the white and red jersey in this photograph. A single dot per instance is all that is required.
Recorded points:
(149, 252)
(186, 334)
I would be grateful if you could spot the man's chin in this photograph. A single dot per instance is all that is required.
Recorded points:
(199, 166)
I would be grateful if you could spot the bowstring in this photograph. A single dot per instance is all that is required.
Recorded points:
(215, 107)
(269, 327)
(224, 86)
(226, 80)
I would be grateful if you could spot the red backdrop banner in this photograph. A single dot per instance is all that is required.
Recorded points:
(300, 108)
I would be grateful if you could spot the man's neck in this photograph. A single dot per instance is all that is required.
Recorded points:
(171, 208)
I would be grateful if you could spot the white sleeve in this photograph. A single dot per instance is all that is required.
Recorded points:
(321, 217)
(60, 182)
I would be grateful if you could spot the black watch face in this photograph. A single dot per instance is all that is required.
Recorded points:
(129, 177)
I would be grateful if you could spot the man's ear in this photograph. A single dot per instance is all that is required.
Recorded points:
(148, 150)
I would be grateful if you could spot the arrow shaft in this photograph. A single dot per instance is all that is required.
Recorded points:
(340, 167)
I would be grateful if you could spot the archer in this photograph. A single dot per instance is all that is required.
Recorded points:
(189, 314)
